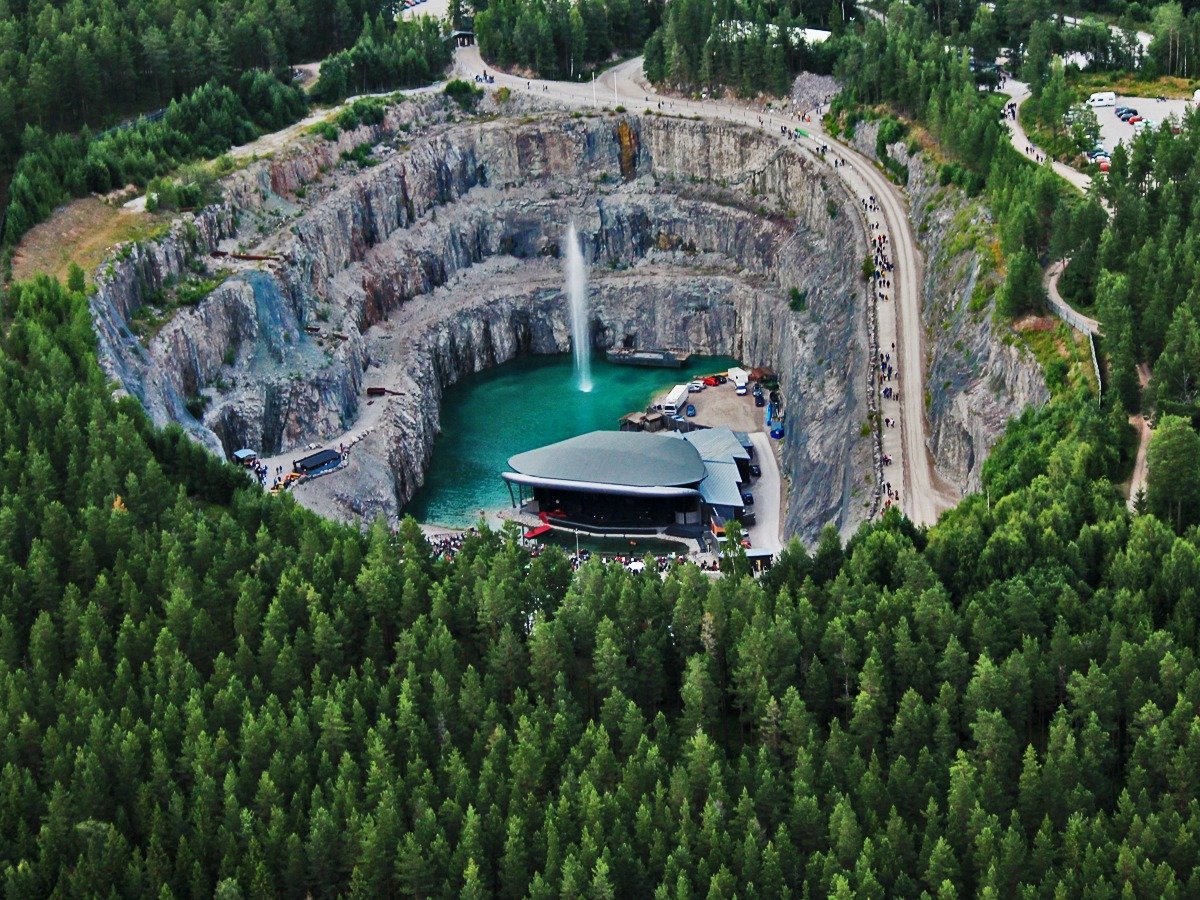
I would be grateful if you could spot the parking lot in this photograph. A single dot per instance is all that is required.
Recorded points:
(722, 405)
(1113, 131)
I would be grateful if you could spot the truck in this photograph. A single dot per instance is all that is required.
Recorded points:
(676, 400)
(740, 378)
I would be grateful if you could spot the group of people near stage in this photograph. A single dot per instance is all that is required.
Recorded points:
(448, 545)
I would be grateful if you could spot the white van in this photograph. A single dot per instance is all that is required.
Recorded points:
(1104, 98)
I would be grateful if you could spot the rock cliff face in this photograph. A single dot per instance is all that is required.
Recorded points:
(976, 381)
(441, 260)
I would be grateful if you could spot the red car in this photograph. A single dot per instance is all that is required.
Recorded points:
(712, 381)
(1133, 120)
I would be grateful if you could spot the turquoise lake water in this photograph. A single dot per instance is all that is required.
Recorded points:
(526, 403)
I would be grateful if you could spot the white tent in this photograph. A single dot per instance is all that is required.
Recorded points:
(738, 376)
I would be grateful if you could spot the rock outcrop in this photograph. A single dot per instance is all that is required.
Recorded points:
(439, 261)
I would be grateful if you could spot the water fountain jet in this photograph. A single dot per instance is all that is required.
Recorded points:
(578, 306)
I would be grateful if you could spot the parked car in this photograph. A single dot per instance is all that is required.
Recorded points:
(747, 498)
(1124, 109)
(759, 400)
(1125, 114)
(741, 389)
(695, 387)
(691, 409)
(756, 470)
(1133, 120)
(712, 381)
(747, 518)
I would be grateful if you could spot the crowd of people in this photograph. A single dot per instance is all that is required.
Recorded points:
(881, 284)
(893, 496)
(447, 545)
(259, 468)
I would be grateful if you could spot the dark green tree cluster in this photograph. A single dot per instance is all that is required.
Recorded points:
(1175, 49)
(904, 64)
(202, 125)
(560, 38)
(1138, 270)
(745, 45)
(77, 67)
(66, 65)
(209, 692)
(408, 53)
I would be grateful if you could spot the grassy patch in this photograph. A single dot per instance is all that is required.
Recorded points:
(82, 232)
(1131, 84)
(1063, 354)
(971, 230)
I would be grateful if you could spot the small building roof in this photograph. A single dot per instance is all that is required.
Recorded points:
(244, 454)
(632, 458)
(722, 485)
(317, 460)
(718, 444)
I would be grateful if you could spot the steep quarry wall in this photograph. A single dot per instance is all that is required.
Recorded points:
(975, 380)
(440, 260)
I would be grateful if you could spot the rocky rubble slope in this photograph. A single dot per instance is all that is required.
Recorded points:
(441, 259)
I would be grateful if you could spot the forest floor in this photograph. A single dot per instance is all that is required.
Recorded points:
(82, 232)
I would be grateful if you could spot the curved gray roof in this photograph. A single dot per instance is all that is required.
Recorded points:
(615, 457)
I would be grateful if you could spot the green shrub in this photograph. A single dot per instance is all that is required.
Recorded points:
(464, 93)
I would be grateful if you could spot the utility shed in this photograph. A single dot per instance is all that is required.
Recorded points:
(317, 462)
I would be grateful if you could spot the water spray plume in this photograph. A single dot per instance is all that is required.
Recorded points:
(577, 300)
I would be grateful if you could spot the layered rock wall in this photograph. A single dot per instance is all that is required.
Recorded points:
(439, 261)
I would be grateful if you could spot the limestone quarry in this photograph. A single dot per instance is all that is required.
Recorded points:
(438, 258)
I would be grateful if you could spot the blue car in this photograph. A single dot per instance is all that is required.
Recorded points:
(691, 409)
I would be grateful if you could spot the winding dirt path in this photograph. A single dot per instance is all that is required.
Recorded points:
(1061, 307)
(1137, 482)
(1019, 92)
